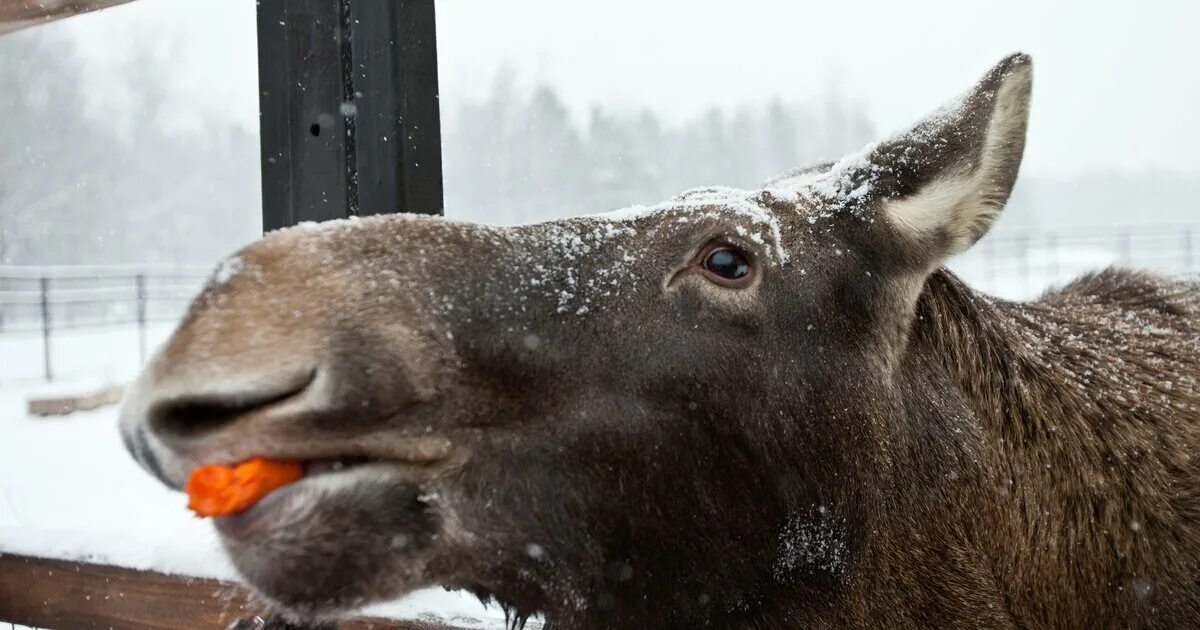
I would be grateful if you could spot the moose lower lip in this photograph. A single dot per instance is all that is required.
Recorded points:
(244, 520)
(259, 516)
(252, 518)
(263, 515)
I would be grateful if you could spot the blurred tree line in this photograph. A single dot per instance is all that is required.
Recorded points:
(517, 156)
(80, 183)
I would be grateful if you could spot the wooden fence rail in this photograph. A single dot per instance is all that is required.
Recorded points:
(61, 594)
(16, 14)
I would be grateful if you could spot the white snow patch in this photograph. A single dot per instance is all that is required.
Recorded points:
(846, 184)
(228, 268)
(717, 202)
(561, 266)
(808, 542)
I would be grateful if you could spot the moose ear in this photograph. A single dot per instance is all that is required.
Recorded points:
(945, 181)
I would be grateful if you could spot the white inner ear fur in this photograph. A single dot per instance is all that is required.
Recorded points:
(966, 201)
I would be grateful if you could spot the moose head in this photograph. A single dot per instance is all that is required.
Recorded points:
(697, 412)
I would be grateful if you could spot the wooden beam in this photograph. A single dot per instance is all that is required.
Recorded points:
(47, 593)
(17, 14)
(349, 111)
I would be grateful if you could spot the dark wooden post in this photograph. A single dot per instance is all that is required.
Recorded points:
(349, 113)
(349, 109)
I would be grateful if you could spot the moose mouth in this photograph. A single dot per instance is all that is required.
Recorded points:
(326, 475)
(257, 517)
(352, 530)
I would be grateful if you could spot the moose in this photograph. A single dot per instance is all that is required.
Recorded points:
(736, 409)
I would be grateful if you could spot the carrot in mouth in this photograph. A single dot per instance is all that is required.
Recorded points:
(219, 490)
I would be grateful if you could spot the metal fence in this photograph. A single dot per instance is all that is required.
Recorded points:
(1023, 264)
(50, 300)
(53, 300)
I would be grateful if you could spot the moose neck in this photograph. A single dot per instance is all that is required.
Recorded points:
(1054, 413)
(1009, 360)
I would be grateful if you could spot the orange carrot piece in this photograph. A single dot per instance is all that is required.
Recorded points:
(218, 490)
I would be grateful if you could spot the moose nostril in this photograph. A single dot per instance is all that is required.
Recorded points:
(193, 415)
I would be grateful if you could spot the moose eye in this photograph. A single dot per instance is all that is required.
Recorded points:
(727, 263)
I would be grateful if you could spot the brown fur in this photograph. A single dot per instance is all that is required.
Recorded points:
(577, 419)
(1077, 492)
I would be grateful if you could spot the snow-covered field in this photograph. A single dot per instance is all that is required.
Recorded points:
(106, 354)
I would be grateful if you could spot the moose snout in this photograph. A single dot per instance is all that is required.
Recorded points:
(273, 359)
(176, 418)
(170, 425)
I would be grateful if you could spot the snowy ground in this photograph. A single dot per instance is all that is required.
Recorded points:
(90, 354)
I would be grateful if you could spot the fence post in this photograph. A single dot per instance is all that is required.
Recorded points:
(330, 74)
(140, 282)
(45, 286)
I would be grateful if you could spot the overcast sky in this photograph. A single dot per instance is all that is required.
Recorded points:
(1116, 84)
